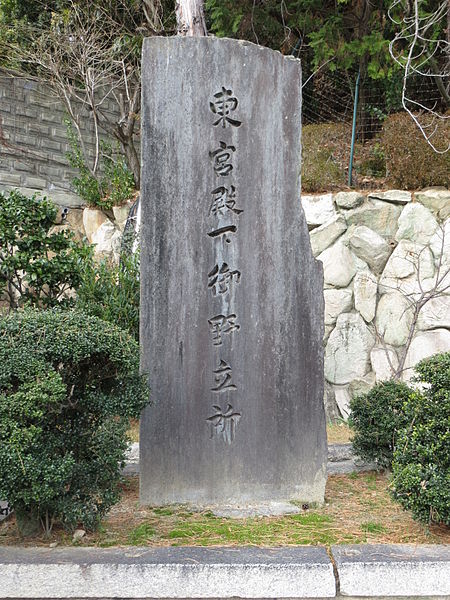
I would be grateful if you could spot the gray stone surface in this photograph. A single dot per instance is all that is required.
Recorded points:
(395, 196)
(4, 510)
(302, 572)
(318, 209)
(236, 417)
(348, 349)
(326, 234)
(342, 464)
(393, 570)
(370, 247)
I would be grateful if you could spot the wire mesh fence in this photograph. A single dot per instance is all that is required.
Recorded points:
(328, 115)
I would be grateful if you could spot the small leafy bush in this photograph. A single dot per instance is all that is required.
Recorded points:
(411, 163)
(376, 417)
(37, 266)
(111, 292)
(69, 383)
(421, 464)
(111, 186)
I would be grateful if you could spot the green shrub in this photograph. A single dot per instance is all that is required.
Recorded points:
(375, 417)
(111, 292)
(69, 383)
(421, 465)
(411, 163)
(36, 265)
(112, 185)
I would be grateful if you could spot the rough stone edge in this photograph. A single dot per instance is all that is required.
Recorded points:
(393, 570)
(305, 572)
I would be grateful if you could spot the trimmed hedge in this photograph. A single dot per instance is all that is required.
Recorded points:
(68, 385)
(376, 417)
(421, 464)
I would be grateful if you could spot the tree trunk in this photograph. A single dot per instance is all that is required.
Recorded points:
(190, 18)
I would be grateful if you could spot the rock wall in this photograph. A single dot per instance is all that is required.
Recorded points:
(383, 253)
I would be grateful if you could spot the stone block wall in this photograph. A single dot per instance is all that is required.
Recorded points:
(381, 252)
(33, 140)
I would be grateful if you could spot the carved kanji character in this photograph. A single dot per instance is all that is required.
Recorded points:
(224, 422)
(222, 324)
(220, 278)
(224, 200)
(221, 159)
(224, 104)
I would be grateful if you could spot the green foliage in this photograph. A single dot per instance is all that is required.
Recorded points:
(421, 465)
(410, 162)
(111, 292)
(347, 34)
(36, 265)
(112, 185)
(376, 417)
(68, 385)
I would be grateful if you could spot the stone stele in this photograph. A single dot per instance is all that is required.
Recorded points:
(232, 300)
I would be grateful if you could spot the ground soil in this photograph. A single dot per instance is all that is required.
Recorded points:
(358, 509)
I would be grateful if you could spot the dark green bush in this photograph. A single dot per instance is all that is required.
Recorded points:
(111, 291)
(411, 163)
(69, 383)
(36, 265)
(421, 465)
(375, 417)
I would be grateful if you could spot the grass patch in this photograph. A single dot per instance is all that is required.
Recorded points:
(371, 527)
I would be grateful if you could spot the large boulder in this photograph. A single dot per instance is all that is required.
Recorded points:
(349, 200)
(339, 266)
(440, 243)
(436, 199)
(416, 223)
(407, 263)
(365, 290)
(347, 354)
(435, 314)
(92, 221)
(380, 216)
(318, 209)
(326, 234)
(384, 362)
(107, 240)
(394, 318)
(395, 196)
(336, 302)
(425, 344)
(370, 247)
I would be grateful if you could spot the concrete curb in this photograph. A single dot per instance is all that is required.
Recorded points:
(393, 570)
(370, 571)
(303, 572)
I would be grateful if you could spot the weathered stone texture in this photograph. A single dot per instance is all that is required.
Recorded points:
(277, 447)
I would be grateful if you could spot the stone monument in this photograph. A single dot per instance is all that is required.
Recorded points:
(231, 296)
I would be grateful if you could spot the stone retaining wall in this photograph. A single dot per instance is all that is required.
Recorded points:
(33, 139)
(381, 251)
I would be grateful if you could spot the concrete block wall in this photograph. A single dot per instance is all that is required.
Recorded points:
(33, 139)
